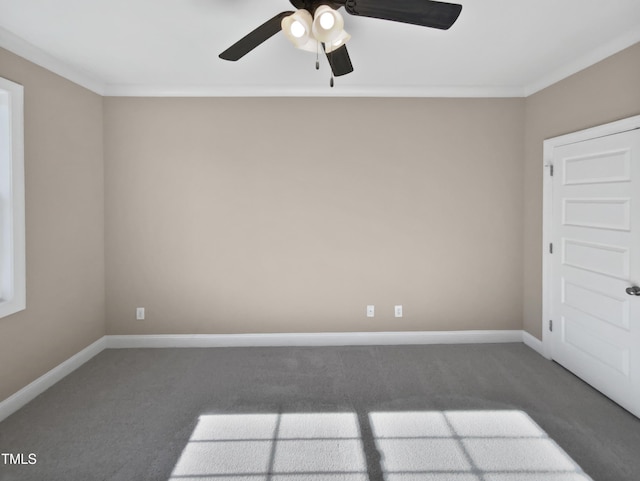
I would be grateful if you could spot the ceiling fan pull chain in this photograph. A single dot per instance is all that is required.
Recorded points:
(330, 59)
(317, 56)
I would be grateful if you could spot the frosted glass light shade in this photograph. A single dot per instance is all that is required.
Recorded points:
(297, 27)
(321, 20)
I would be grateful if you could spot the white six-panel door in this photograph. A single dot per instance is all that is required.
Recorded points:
(595, 261)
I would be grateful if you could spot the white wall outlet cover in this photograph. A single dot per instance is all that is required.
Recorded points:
(139, 313)
(371, 311)
(398, 311)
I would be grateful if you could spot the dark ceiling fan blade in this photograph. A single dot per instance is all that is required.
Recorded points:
(311, 5)
(264, 32)
(426, 13)
(340, 61)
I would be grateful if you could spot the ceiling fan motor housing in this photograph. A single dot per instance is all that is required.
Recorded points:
(312, 5)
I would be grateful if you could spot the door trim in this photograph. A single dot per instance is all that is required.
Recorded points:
(612, 128)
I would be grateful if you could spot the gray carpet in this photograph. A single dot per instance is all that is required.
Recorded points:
(412, 413)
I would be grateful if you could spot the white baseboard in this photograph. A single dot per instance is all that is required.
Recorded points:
(313, 339)
(534, 343)
(44, 382)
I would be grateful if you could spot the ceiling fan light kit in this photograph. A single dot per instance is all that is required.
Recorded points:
(317, 23)
(308, 32)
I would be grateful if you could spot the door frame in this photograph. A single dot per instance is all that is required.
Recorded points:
(549, 146)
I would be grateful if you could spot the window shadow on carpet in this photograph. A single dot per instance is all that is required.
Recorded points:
(391, 446)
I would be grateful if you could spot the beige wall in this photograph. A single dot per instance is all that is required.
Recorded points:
(291, 215)
(607, 91)
(64, 226)
(237, 215)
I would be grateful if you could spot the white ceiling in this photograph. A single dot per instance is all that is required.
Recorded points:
(171, 47)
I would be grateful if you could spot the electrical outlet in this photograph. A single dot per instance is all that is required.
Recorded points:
(140, 313)
(371, 311)
(398, 311)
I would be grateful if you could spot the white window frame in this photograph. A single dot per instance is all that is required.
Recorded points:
(12, 204)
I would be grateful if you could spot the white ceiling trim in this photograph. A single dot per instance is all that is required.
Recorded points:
(603, 51)
(297, 91)
(17, 45)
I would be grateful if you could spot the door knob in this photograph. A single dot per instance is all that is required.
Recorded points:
(633, 291)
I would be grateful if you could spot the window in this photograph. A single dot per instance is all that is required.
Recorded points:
(12, 243)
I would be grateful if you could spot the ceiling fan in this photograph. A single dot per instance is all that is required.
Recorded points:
(317, 24)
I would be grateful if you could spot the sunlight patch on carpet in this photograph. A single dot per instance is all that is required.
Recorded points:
(278, 447)
(468, 446)
(409, 446)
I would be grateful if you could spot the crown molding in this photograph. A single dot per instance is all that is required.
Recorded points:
(593, 57)
(18, 46)
(297, 91)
